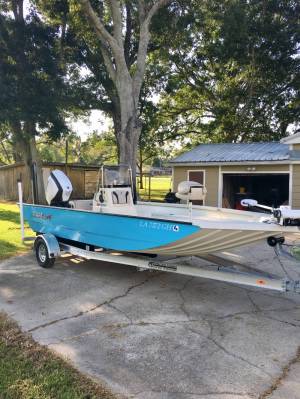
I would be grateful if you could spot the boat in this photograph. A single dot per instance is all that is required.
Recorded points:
(113, 221)
(115, 228)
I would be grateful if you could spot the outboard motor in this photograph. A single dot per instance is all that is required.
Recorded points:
(59, 189)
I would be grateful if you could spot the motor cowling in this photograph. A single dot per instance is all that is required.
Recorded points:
(59, 189)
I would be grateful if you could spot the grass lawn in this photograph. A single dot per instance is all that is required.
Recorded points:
(10, 234)
(28, 370)
(160, 185)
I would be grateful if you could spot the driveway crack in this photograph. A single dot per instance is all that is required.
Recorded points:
(234, 355)
(279, 380)
(180, 291)
(108, 302)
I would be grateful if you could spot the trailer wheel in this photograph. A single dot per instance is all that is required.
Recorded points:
(42, 254)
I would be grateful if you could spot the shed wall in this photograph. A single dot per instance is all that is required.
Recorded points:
(9, 177)
(84, 180)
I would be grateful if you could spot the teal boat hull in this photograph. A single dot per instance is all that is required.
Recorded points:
(109, 231)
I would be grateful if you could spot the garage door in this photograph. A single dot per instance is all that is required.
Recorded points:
(268, 189)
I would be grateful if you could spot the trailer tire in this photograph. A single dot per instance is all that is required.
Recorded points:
(42, 254)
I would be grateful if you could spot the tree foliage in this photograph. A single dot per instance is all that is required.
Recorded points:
(32, 87)
(234, 72)
(33, 90)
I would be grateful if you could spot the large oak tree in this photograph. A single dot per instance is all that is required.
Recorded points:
(123, 32)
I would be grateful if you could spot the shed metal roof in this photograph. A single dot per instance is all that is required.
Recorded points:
(238, 152)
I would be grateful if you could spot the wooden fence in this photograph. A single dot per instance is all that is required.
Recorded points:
(84, 179)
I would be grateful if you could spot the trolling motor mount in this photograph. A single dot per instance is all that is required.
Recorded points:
(284, 214)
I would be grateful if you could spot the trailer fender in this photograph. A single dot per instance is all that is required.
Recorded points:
(51, 244)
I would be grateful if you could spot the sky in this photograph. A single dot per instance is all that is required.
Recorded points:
(83, 126)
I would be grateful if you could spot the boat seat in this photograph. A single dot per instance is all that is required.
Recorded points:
(121, 197)
(191, 191)
(114, 199)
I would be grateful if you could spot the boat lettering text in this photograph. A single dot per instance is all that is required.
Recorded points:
(159, 226)
(162, 266)
(40, 215)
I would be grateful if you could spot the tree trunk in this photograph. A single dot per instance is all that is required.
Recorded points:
(128, 148)
(116, 117)
(17, 148)
(38, 169)
(25, 141)
(130, 125)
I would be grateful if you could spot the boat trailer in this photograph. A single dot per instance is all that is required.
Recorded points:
(47, 248)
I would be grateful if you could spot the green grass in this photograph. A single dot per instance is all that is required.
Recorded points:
(31, 371)
(160, 185)
(10, 233)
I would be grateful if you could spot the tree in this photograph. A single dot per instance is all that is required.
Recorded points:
(32, 88)
(7, 154)
(83, 52)
(235, 72)
(117, 26)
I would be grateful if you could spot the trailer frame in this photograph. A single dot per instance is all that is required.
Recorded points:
(177, 265)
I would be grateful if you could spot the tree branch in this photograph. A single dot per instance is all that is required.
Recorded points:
(106, 40)
(108, 62)
(141, 11)
(156, 6)
(144, 38)
(128, 33)
(117, 18)
(109, 46)
(105, 37)
(17, 6)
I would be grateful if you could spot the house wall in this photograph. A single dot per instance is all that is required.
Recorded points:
(296, 187)
(257, 168)
(180, 173)
(296, 147)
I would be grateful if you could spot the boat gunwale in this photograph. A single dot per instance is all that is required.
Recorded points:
(111, 214)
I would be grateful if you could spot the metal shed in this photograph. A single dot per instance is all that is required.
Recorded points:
(268, 172)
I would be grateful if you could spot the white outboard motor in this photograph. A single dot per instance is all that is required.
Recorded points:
(59, 189)
(191, 190)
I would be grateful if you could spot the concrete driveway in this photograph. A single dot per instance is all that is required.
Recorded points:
(157, 335)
